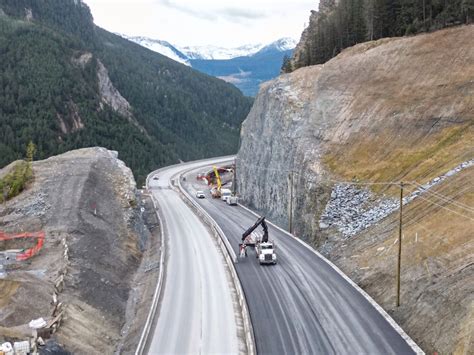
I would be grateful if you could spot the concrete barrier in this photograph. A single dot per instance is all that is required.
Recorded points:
(231, 258)
(154, 305)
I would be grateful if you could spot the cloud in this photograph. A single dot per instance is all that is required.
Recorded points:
(235, 14)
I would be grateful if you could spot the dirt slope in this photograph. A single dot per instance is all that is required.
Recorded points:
(87, 204)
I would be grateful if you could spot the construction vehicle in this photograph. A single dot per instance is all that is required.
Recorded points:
(216, 191)
(264, 248)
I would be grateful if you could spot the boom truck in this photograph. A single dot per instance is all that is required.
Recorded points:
(264, 248)
(216, 192)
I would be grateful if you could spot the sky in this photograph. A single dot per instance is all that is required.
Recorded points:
(227, 23)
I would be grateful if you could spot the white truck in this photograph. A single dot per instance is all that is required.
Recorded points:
(265, 252)
(264, 248)
(225, 194)
(232, 200)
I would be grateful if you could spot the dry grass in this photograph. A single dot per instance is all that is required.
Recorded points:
(384, 158)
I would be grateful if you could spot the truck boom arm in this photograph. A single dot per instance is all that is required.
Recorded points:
(219, 183)
(261, 221)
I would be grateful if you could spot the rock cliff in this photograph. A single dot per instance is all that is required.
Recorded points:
(333, 135)
(389, 110)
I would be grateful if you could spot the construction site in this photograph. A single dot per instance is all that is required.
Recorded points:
(76, 267)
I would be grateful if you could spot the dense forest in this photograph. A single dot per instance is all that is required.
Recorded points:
(52, 98)
(344, 23)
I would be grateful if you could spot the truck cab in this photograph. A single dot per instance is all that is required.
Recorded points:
(265, 252)
(225, 194)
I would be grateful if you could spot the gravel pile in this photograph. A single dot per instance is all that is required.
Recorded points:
(352, 209)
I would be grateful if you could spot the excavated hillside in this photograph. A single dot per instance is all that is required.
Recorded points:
(94, 273)
(396, 109)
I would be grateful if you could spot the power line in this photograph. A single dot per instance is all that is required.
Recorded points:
(446, 208)
(443, 197)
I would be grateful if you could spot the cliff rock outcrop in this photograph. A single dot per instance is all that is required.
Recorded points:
(333, 135)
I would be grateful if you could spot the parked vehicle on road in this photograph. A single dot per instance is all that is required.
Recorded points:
(232, 200)
(225, 194)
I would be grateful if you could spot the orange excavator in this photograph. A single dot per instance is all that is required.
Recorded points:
(26, 253)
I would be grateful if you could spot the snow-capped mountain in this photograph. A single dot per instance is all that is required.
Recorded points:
(283, 44)
(159, 46)
(245, 66)
(214, 52)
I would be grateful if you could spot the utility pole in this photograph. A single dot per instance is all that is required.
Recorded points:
(399, 245)
(234, 180)
(291, 203)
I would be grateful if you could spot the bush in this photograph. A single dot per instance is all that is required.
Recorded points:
(15, 182)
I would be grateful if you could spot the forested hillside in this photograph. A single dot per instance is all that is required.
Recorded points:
(66, 84)
(343, 23)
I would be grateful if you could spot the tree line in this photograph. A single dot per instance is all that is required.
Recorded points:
(341, 25)
(44, 91)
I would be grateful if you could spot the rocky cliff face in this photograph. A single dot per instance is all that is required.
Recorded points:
(300, 56)
(399, 109)
(389, 110)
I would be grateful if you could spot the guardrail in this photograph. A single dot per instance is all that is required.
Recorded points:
(154, 305)
(231, 259)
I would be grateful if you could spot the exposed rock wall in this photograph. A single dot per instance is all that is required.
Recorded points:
(377, 112)
(109, 94)
(397, 109)
(300, 54)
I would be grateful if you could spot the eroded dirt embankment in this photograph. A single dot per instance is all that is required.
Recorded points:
(96, 256)
(397, 109)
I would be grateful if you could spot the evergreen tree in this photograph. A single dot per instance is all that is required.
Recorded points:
(349, 22)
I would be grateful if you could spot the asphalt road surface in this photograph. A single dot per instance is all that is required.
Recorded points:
(301, 305)
(196, 313)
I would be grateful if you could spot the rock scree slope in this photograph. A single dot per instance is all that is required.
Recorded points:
(388, 110)
(96, 242)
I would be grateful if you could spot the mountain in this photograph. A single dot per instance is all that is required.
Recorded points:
(340, 138)
(66, 83)
(248, 72)
(245, 66)
(215, 52)
(162, 47)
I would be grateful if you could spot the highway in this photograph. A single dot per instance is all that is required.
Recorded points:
(196, 311)
(301, 305)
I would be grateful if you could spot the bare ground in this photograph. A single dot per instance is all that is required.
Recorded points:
(96, 240)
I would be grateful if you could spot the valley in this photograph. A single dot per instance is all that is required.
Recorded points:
(274, 197)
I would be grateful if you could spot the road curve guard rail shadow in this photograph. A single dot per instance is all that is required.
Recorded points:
(230, 257)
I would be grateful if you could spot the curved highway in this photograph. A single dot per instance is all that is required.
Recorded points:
(196, 312)
(302, 305)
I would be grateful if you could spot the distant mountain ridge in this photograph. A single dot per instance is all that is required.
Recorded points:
(245, 66)
(66, 84)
